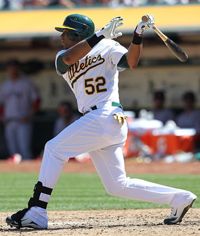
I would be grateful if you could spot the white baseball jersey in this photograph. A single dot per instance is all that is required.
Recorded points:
(94, 78)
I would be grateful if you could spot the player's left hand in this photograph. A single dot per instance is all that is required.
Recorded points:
(110, 30)
(143, 25)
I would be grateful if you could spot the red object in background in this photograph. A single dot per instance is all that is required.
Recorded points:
(146, 138)
(130, 149)
(186, 143)
(163, 144)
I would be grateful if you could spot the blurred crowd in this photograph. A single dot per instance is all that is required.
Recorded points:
(19, 103)
(164, 133)
(26, 4)
(190, 116)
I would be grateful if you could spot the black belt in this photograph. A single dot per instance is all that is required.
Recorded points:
(113, 104)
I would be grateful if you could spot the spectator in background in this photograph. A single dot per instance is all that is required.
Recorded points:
(11, 4)
(173, 2)
(159, 111)
(66, 117)
(54, 3)
(4, 4)
(190, 117)
(20, 4)
(20, 99)
(135, 2)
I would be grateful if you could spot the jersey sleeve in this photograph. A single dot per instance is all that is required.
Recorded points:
(116, 52)
(61, 68)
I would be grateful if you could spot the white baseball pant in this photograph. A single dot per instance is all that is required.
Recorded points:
(102, 136)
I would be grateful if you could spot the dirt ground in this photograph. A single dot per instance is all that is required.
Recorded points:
(112, 222)
(133, 166)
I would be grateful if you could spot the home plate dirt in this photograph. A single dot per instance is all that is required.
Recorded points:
(111, 223)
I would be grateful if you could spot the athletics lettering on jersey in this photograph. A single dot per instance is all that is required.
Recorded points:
(89, 63)
(94, 78)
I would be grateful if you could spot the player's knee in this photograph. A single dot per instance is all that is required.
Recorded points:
(49, 146)
(116, 188)
(52, 150)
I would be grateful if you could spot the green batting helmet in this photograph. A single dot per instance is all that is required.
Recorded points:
(79, 26)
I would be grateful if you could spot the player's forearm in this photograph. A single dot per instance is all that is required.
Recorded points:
(135, 48)
(133, 55)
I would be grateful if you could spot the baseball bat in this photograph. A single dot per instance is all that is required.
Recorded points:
(172, 46)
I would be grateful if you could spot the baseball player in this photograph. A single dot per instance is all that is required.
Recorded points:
(90, 63)
(20, 100)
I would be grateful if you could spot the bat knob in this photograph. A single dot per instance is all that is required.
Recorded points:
(145, 18)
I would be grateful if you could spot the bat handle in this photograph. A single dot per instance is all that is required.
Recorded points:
(159, 33)
(145, 18)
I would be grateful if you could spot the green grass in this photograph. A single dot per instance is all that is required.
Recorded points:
(83, 191)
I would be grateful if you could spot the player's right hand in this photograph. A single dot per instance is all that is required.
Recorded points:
(143, 25)
(110, 30)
